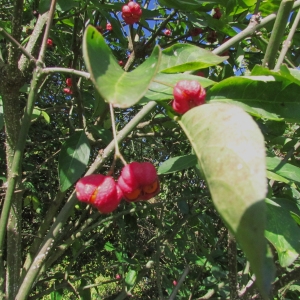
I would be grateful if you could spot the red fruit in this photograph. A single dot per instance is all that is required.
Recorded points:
(121, 63)
(225, 53)
(100, 29)
(118, 276)
(131, 13)
(196, 31)
(69, 81)
(168, 32)
(200, 73)
(174, 282)
(100, 191)
(211, 37)
(109, 27)
(187, 94)
(217, 14)
(138, 181)
(67, 91)
(49, 43)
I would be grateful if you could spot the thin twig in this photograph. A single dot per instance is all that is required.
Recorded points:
(47, 31)
(287, 42)
(113, 122)
(68, 71)
(17, 45)
(180, 282)
(251, 29)
(277, 33)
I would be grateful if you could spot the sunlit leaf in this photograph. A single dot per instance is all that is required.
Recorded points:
(109, 247)
(276, 177)
(161, 88)
(283, 232)
(131, 277)
(187, 5)
(56, 295)
(283, 169)
(185, 57)
(122, 89)
(263, 97)
(231, 151)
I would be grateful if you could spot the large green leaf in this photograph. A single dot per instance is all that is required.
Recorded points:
(73, 159)
(185, 57)
(261, 96)
(230, 149)
(159, 91)
(186, 5)
(122, 89)
(286, 75)
(282, 231)
(178, 163)
(286, 170)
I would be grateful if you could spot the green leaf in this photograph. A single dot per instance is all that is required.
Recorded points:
(196, 260)
(285, 170)
(283, 75)
(185, 57)
(46, 117)
(282, 232)
(186, 5)
(73, 159)
(64, 5)
(131, 277)
(109, 247)
(32, 199)
(56, 295)
(231, 151)
(176, 164)
(122, 89)
(261, 96)
(85, 294)
(158, 91)
(37, 112)
(101, 133)
(276, 177)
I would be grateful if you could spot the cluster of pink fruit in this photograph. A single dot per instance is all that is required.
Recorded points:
(138, 181)
(187, 94)
(131, 13)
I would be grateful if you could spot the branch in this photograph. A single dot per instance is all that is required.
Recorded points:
(180, 282)
(37, 31)
(277, 33)
(17, 45)
(251, 29)
(161, 26)
(47, 71)
(48, 26)
(18, 157)
(287, 42)
(232, 266)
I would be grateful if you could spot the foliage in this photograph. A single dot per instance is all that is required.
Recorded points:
(226, 221)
